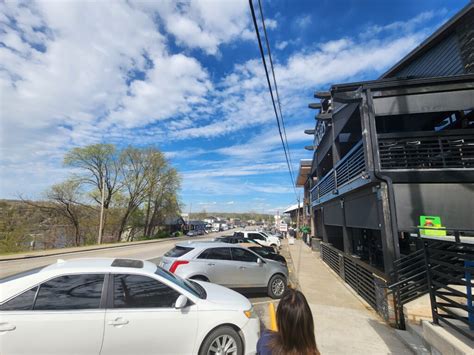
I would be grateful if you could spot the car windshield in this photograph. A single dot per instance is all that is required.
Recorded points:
(191, 287)
(21, 274)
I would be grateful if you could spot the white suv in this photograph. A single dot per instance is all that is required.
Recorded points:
(121, 306)
(261, 238)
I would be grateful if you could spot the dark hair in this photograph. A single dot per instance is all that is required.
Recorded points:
(295, 326)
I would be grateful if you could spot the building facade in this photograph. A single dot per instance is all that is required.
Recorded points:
(389, 151)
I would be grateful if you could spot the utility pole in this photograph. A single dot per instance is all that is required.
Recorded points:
(298, 217)
(101, 222)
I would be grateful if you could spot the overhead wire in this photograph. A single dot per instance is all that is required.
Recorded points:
(262, 53)
(275, 83)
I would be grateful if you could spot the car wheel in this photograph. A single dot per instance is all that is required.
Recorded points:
(276, 286)
(223, 340)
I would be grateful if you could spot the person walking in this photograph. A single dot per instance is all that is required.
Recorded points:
(295, 335)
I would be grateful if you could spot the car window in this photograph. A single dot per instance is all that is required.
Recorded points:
(216, 254)
(70, 292)
(178, 251)
(22, 302)
(239, 254)
(259, 251)
(256, 236)
(136, 291)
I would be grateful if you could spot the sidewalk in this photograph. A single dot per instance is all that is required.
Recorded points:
(343, 323)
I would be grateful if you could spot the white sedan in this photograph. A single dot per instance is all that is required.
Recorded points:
(121, 306)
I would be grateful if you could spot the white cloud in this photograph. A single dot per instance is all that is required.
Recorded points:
(74, 73)
(303, 21)
(397, 27)
(205, 24)
(281, 45)
(271, 24)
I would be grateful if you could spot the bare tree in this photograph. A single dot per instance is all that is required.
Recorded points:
(99, 165)
(64, 199)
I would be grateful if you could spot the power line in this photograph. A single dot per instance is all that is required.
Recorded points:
(276, 87)
(262, 53)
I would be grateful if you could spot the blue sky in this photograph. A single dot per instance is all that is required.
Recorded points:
(186, 77)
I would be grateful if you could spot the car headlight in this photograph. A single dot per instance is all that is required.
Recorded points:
(250, 313)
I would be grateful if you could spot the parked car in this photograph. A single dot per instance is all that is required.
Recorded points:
(260, 237)
(226, 264)
(264, 252)
(236, 240)
(120, 306)
(277, 234)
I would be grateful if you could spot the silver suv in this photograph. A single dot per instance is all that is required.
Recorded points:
(228, 265)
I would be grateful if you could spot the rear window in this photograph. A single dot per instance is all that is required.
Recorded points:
(178, 251)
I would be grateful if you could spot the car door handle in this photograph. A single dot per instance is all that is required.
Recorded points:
(242, 267)
(7, 327)
(117, 322)
(211, 264)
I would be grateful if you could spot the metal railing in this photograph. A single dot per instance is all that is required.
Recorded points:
(409, 282)
(349, 168)
(450, 274)
(443, 268)
(452, 149)
(364, 279)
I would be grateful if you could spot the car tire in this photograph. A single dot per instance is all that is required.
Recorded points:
(223, 336)
(276, 286)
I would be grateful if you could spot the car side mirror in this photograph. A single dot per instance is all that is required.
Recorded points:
(259, 261)
(181, 302)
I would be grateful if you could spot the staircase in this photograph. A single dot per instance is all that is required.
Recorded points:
(409, 282)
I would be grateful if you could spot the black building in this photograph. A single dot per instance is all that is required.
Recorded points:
(391, 150)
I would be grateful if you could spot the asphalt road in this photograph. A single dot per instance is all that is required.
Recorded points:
(138, 251)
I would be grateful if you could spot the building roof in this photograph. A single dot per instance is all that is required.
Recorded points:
(293, 208)
(303, 173)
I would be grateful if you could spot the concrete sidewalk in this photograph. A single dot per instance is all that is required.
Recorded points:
(344, 324)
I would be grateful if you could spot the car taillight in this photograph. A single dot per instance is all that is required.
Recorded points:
(175, 265)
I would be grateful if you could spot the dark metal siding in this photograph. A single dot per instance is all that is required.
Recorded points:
(361, 210)
(444, 59)
(333, 214)
(454, 203)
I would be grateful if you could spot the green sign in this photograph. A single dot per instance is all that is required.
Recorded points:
(432, 226)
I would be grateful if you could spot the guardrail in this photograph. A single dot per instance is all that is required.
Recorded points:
(349, 168)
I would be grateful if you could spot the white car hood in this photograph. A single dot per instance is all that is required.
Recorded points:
(224, 297)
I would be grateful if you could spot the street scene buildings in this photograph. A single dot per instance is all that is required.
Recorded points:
(374, 253)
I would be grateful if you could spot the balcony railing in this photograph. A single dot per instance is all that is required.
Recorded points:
(427, 150)
(347, 170)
